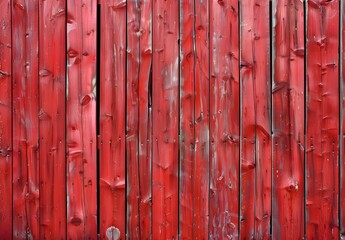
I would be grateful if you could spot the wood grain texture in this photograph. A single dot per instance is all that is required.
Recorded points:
(112, 118)
(201, 120)
(255, 120)
(165, 113)
(5, 120)
(224, 122)
(25, 120)
(132, 118)
(194, 119)
(138, 136)
(81, 121)
(187, 121)
(52, 112)
(145, 120)
(288, 120)
(322, 130)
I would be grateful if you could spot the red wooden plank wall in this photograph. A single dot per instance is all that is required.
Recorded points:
(189, 119)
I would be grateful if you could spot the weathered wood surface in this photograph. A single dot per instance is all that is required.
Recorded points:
(255, 120)
(112, 118)
(138, 120)
(201, 120)
(288, 120)
(81, 120)
(214, 120)
(165, 119)
(322, 125)
(187, 115)
(224, 120)
(194, 119)
(52, 119)
(25, 120)
(5, 119)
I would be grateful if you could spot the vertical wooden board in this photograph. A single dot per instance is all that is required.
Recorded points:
(145, 119)
(288, 120)
(138, 156)
(132, 112)
(187, 138)
(201, 120)
(165, 107)
(25, 120)
(75, 193)
(322, 120)
(255, 120)
(5, 120)
(112, 129)
(224, 123)
(52, 90)
(88, 107)
(81, 124)
(194, 111)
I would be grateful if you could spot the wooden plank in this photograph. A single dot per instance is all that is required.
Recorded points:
(255, 120)
(112, 129)
(194, 119)
(88, 102)
(25, 120)
(224, 122)
(138, 129)
(52, 89)
(201, 118)
(322, 136)
(187, 121)
(288, 120)
(81, 124)
(132, 118)
(165, 107)
(145, 120)
(5, 120)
